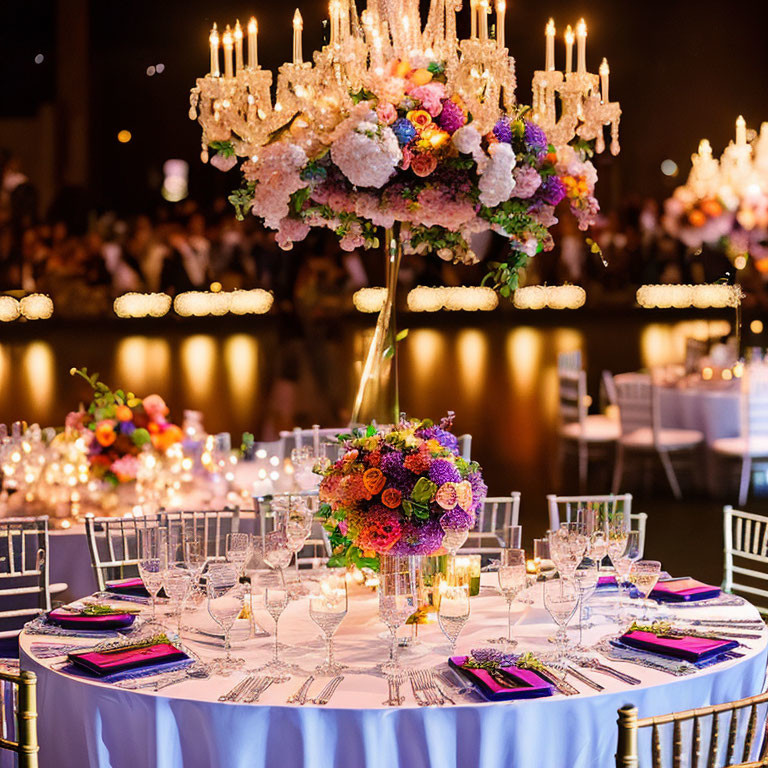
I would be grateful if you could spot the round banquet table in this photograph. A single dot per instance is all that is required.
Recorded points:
(87, 723)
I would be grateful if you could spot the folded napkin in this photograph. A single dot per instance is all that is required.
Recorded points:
(523, 683)
(134, 586)
(606, 582)
(102, 663)
(69, 620)
(683, 590)
(686, 647)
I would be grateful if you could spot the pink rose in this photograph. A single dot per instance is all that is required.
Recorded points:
(431, 97)
(386, 113)
(423, 165)
(155, 408)
(75, 420)
(405, 164)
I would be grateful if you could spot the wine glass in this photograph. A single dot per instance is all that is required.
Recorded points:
(618, 530)
(586, 577)
(277, 550)
(568, 545)
(644, 574)
(275, 601)
(238, 550)
(225, 603)
(397, 601)
(453, 612)
(298, 527)
(177, 580)
(153, 558)
(453, 538)
(623, 565)
(561, 596)
(328, 605)
(513, 578)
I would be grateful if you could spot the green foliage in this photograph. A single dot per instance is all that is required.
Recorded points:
(242, 199)
(246, 444)
(362, 95)
(224, 148)
(140, 437)
(423, 491)
(299, 197)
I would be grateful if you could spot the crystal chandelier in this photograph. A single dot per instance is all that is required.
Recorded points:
(236, 104)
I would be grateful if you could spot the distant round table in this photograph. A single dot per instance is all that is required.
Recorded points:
(86, 723)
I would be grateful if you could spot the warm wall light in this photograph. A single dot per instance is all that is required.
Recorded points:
(124, 136)
(552, 296)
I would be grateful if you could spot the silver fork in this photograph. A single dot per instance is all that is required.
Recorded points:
(606, 670)
(431, 686)
(435, 682)
(420, 700)
(236, 690)
(420, 682)
(249, 689)
(300, 696)
(327, 692)
(255, 694)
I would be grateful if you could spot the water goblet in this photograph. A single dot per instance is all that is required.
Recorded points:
(586, 577)
(561, 596)
(225, 603)
(275, 602)
(453, 612)
(153, 558)
(623, 565)
(644, 574)
(328, 605)
(513, 578)
(238, 550)
(277, 550)
(568, 545)
(177, 580)
(397, 601)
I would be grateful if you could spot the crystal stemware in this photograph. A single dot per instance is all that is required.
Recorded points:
(453, 611)
(561, 596)
(623, 565)
(644, 574)
(568, 545)
(238, 550)
(397, 601)
(328, 605)
(513, 578)
(177, 580)
(225, 603)
(277, 550)
(275, 602)
(586, 577)
(153, 558)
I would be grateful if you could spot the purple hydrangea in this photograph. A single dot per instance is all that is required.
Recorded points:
(452, 117)
(399, 477)
(494, 656)
(552, 191)
(446, 439)
(404, 130)
(443, 471)
(535, 137)
(418, 538)
(503, 130)
(479, 490)
(457, 519)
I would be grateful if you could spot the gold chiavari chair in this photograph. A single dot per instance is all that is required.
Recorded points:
(22, 688)
(627, 755)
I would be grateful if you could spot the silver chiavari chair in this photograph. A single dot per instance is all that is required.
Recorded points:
(114, 543)
(742, 746)
(24, 568)
(18, 716)
(746, 554)
(465, 446)
(209, 526)
(494, 517)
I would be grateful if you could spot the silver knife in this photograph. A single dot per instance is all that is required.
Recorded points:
(584, 679)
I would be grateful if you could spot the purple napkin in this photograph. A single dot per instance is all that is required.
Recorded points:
(688, 648)
(67, 620)
(683, 590)
(525, 683)
(134, 586)
(103, 663)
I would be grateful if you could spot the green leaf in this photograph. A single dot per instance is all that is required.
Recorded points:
(388, 352)
(140, 437)
(224, 148)
(402, 335)
(337, 561)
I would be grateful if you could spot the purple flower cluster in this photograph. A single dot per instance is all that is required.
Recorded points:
(457, 519)
(442, 471)
(503, 130)
(552, 191)
(493, 656)
(535, 137)
(479, 488)
(398, 476)
(418, 538)
(452, 117)
(446, 439)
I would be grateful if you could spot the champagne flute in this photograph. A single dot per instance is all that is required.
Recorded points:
(453, 612)
(275, 602)
(153, 558)
(328, 605)
(586, 578)
(225, 603)
(623, 565)
(561, 596)
(397, 601)
(644, 574)
(513, 578)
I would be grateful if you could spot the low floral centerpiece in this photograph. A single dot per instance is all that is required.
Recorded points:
(397, 490)
(117, 426)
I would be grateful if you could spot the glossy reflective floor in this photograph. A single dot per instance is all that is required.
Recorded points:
(498, 374)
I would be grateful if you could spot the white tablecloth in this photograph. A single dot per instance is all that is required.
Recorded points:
(713, 412)
(84, 723)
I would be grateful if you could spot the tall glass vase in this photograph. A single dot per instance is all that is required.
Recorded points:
(377, 396)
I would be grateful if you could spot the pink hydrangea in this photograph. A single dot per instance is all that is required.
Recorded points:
(431, 97)
(386, 112)
(126, 468)
(527, 181)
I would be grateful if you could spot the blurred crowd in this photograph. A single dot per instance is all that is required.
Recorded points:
(83, 258)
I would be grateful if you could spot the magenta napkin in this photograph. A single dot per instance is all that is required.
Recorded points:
(683, 591)
(688, 648)
(524, 683)
(606, 581)
(109, 662)
(134, 586)
(68, 620)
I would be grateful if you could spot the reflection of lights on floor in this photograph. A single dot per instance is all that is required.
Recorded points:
(142, 364)
(472, 353)
(198, 362)
(241, 359)
(662, 344)
(39, 372)
(524, 358)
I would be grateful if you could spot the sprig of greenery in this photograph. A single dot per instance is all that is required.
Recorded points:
(224, 148)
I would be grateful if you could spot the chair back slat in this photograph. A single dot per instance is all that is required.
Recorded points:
(657, 756)
(209, 526)
(465, 446)
(572, 509)
(745, 536)
(732, 732)
(714, 742)
(677, 745)
(569, 361)
(314, 437)
(21, 689)
(696, 742)
(494, 517)
(751, 731)
(572, 393)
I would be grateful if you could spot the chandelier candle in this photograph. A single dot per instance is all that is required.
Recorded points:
(214, 41)
(581, 47)
(604, 71)
(501, 10)
(298, 26)
(253, 34)
(549, 64)
(227, 44)
(238, 35)
(568, 50)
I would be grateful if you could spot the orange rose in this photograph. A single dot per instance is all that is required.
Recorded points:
(105, 433)
(374, 480)
(400, 68)
(391, 498)
(423, 165)
(420, 76)
(419, 118)
(711, 208)
(171, 435)
(123, 413)
(696, 218)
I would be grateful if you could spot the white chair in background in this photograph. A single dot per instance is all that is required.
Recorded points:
(752, 442)
(642, 431)
(746, 554)
(209, 526)
(114, 545)
(465, 446)
(24, 571)
(314, 438)
(576, 425)
(494, 517)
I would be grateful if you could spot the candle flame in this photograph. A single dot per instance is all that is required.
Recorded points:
(581, 28)
(604, 68)
(705, 148)
(501, 6)
(550, 28)
(569, 35)
(253, 25)
(227, 38)
(214, 38)
(298, 22)
(238, 30)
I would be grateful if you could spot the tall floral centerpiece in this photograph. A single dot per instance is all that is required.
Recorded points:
(402, 128)
(398, 490)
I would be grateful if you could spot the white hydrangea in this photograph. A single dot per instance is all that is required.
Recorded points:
(467, 140)
(368, 154)
(497, 182)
